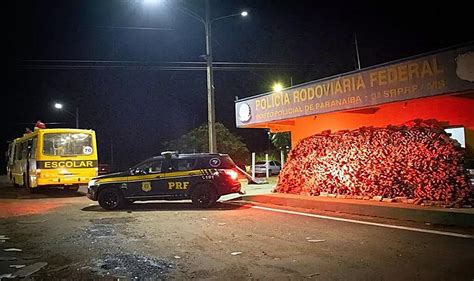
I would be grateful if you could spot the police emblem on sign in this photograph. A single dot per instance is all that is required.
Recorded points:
(146, 186)
(245, 113)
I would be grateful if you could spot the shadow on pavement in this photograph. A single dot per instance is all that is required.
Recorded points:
(11, 192)
(166, 206)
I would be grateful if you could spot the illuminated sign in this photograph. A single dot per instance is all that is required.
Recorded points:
(446, 72)
(66, 164)
(244, 112)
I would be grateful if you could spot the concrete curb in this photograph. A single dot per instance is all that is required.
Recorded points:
(443, 216)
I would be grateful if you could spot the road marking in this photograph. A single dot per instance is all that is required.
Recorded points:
(445, 233)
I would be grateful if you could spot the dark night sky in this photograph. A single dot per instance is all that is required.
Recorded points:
(139, 108)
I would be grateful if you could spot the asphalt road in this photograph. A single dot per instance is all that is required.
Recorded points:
(174, 241)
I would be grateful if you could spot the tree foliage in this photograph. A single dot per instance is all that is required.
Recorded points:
(197, 141)
(282, 141)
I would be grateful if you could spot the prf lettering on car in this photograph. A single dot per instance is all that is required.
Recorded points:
(178, 185)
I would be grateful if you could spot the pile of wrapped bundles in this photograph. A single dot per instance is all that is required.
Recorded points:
(415, 161)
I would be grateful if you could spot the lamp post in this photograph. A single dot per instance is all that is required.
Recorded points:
(277, 87)
(208, 21)
(60, 106)
(211, 111)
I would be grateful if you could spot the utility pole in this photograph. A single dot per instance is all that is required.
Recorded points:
(357, 50)
(111, 154)
(76, 114)
(210, 83)
(77, 117)
(207, 22)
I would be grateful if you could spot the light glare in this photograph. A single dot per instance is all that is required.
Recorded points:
(150, 2)
(244, 13)
(277, 87)
(58, 105)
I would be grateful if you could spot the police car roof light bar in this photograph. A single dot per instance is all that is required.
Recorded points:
(169, 153)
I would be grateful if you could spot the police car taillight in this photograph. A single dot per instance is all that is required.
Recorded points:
(232, 174)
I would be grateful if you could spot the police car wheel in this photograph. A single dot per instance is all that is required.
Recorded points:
(110, 199)
(203, 196)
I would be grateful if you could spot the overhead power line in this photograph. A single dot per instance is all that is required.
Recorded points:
(135, 28)
(159, 66)
(167, 62)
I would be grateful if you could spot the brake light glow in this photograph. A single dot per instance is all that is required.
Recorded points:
(233, 174)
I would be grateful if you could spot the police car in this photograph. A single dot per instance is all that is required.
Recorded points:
(203, 178)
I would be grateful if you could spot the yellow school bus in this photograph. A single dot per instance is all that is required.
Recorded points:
(53, 157)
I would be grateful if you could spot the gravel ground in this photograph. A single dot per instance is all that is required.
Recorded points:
(175, 241)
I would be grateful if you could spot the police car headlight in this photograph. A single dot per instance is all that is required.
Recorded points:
(92, 183)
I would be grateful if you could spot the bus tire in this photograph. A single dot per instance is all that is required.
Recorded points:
(26, 184)
(15, 185)
(111, 198)
(204, 196)
(73, 188)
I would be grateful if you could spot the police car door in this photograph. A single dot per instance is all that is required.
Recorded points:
(181, 175)
(149, 183)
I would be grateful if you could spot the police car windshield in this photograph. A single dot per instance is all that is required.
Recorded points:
(141, 165)
(149, 165)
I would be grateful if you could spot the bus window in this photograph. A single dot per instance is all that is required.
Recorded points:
(63, 144)
(12, 155)
(19, 151)
(24, 150)
(8, 153)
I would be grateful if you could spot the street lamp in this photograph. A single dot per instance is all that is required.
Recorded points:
(277, 87)
(150, 2)
(61, 107)
(208, 21)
